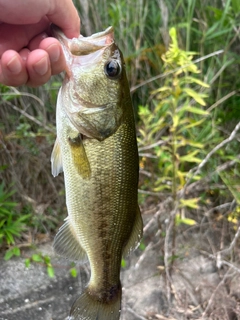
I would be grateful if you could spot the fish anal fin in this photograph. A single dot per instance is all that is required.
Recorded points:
(135, 236)
(56, 159)
(67, 244)
(79, 157)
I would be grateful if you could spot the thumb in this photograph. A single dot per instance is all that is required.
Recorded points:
(64, 14)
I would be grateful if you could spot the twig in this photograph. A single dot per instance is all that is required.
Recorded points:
(148, 247)
(167, 254)
(228, 164)
(157, 214)
(227, 96)
(146, 173)
(232, 244)
(223, 262)
(190, 291)
(214, 293)
(148, 155)
(137, 316)
(158, 143)
(26, 94)
(220, 207)
(196, 185)
(193, 172)
(31, 117)
(150, 193)
(219, 146)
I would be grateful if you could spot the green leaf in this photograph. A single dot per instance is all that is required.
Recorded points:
(179, 220)
(123, 263)
(236, 6)
(190, 157)
(47, 259)
(198, 97)
(27, 262)
(175, 121)
(191, 203)
(192, 124)
(142, 246)
(37, 257)
(73, 272)
(195, 110)
(16, 251)
(219, 33)
(162, 89)
(8, 255)
(181, 175)
(9, 237)
(193, 80)
(50, 271)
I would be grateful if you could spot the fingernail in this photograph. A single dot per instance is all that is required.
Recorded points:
(41, 67)
(54, 52)
(14, 65)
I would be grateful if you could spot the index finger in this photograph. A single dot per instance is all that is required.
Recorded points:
(16, 37)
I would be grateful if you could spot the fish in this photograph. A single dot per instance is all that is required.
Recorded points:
(96, 149)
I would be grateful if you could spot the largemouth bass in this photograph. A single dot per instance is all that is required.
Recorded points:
(97, 151)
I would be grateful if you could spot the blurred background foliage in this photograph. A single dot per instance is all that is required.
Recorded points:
(183, 62)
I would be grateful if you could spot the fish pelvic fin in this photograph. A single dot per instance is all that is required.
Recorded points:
(67, 244)
(135, 236)
(88, 307)
(56, 159)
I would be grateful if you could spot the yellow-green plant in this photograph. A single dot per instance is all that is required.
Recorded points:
(172, 127)
(171, 130)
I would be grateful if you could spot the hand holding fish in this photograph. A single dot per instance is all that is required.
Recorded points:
(28, 55)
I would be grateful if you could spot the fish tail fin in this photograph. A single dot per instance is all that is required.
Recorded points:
(87, 307)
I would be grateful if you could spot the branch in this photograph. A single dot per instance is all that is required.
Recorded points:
(31, 117)
(233, 243)
(215, 292)
(219, 146)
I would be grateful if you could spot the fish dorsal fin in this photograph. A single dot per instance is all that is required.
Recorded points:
(79, 156)
(56, 159)
(135, 236)
(67, 244)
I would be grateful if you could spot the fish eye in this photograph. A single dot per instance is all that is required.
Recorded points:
(113, 69)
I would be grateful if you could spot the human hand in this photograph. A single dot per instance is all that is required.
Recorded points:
(28, 55)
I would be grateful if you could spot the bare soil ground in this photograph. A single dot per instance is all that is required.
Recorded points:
(202, 283)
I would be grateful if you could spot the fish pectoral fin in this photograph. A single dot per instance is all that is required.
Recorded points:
(67, 244)
(135, 236)
(56, 159)
(79, 156)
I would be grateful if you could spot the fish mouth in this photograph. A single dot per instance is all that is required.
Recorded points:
(82, 46)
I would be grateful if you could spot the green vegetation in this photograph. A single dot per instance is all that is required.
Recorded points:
(44, 259)
(183, 64)
(12, 223)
